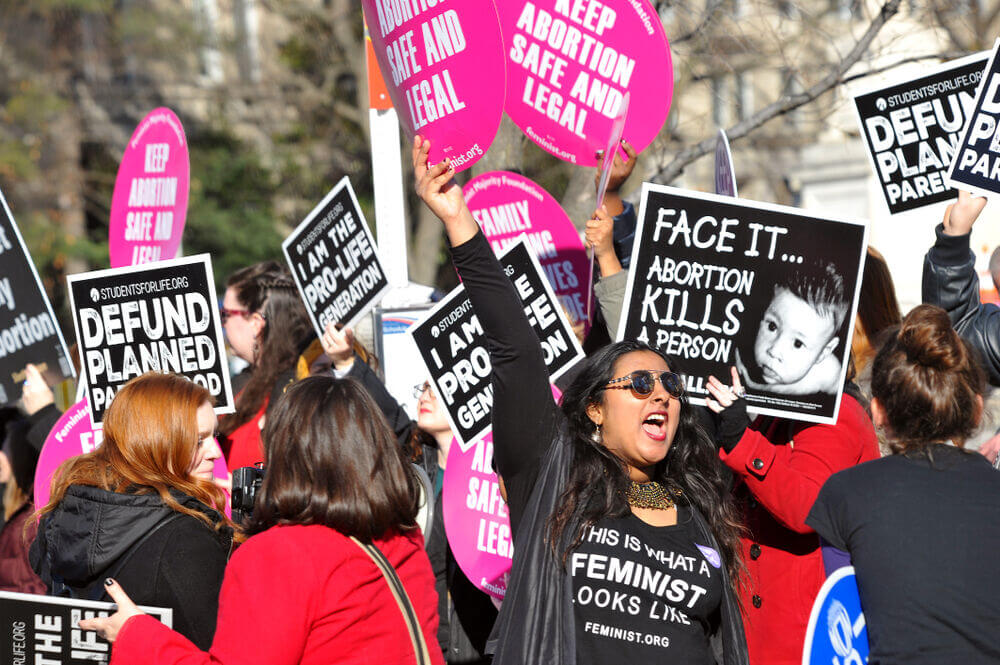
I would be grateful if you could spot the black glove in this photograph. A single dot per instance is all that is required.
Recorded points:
(731, 423)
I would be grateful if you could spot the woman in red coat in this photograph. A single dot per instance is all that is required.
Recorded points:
(780, 466)
(301, 590)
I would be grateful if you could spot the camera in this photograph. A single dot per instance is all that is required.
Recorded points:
(246, 482)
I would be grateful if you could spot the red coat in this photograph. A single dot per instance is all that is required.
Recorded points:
(15, 571)
(782, 469)
(302, 595)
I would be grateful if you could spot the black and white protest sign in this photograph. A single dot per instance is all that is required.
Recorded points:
(911, 128)
(29, 332)
(152, 317)
(44, 630)
(453, 346)
(333, 258)
(717, 282)
(976, 166)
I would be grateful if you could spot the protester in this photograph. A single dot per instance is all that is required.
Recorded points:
(950, 281)
(920, 525)
(143, 507)
(301, 589)
(618, 476)
(22, 441)
(780, 465)
(266, 325)
(465, 613)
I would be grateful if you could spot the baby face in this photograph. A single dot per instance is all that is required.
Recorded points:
(791, 338)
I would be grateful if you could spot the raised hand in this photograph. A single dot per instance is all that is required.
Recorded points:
(338, 345)
(600, 235)
(963, 213)
(437, 188)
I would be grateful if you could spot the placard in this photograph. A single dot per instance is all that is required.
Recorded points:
(453, 347)
(725, 173)
(910, 129)
(29, 331)
(717, 282)
(507, 205)
(976, 164)
(476, 520)
(443, 65)
(837, 632)
(44, 630)
(612, 148)
(160, 317)
(335, 262)
(149, 203)
(570, 63)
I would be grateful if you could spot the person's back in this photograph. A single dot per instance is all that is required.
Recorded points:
(170, 559)
(920, 525)
(924, 539)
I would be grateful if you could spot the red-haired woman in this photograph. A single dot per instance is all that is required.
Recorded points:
(143, 507)
(305, 588)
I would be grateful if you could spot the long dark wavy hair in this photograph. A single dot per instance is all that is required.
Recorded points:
(598, 478)
(268, 288)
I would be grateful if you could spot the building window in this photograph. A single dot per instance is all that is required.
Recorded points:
(206, 15)
(247, 34)
(744, 96)
(791, 85)
(722, 100)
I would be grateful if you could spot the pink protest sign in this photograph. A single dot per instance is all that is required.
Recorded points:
(476, 521)
(443, 64)
(74, 435)
(150, 200)
(506, 205)
(612, 149)
(475, 517)
(569, 65)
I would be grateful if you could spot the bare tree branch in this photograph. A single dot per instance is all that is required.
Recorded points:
(948, 55)
(711, 11)
(785, 104)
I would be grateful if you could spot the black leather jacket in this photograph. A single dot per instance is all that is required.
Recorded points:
(950, 282)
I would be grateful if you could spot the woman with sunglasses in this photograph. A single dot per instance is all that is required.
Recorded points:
(626, 546)
(267, 326)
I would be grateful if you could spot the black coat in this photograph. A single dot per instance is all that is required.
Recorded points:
(950, 281)
(179, 566)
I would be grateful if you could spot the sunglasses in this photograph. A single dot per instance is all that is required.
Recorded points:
(642, 382)
(224, 313)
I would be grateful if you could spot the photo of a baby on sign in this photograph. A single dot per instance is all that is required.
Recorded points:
(794, 352)
(718, 283)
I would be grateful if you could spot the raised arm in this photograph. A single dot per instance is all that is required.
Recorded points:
(950, 282)
(524, 414)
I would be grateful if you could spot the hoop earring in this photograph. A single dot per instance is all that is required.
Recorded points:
(595, 436)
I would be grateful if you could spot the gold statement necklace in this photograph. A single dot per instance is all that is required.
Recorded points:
(651, 495)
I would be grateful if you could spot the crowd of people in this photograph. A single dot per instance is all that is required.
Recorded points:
(648, 526)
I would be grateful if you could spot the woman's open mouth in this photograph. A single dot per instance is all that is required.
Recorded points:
(655, 426)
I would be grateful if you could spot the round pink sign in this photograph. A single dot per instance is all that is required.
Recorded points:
(73, 435)
(476, 521)
(150, 200)
(475, 517)
(569, 65)
(507, 205)
(443, 64)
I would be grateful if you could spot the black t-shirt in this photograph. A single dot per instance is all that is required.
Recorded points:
(924, 538)
(644, 594)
